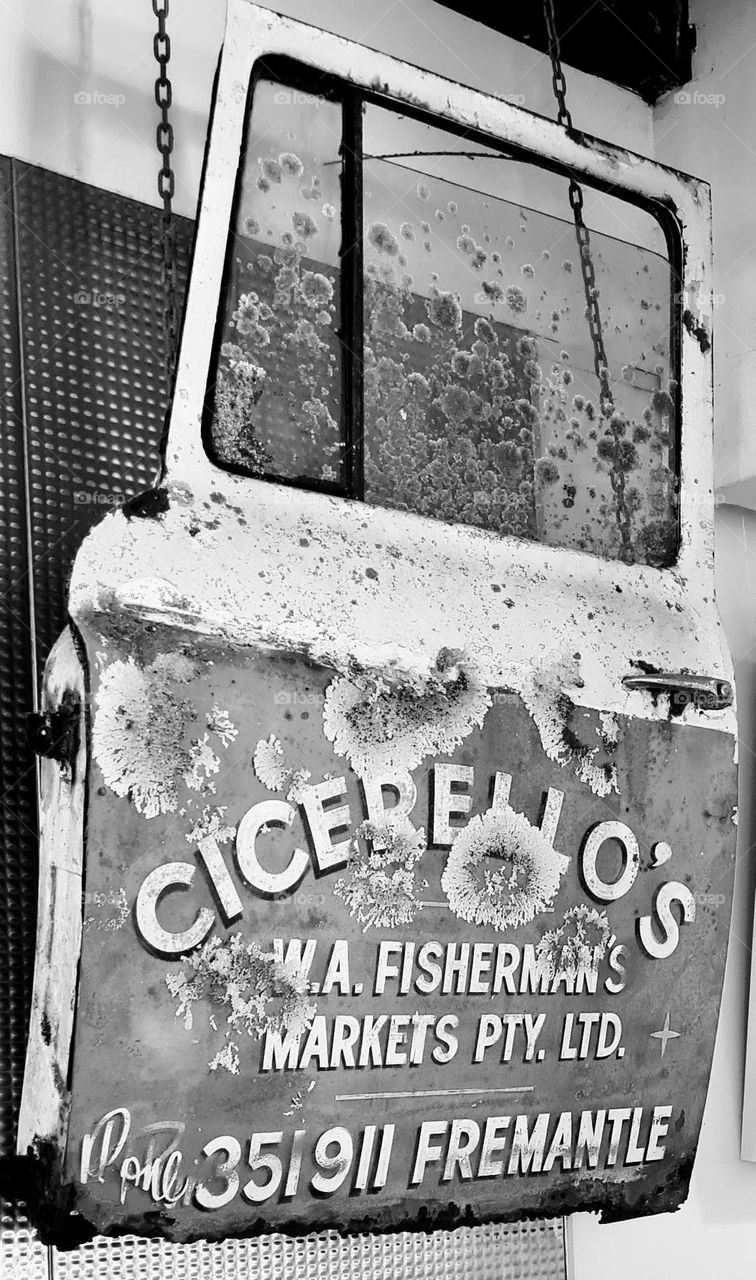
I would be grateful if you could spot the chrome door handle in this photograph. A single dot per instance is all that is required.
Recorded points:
(706, 693)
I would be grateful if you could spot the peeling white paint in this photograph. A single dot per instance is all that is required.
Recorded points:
(435, 594)
(609, 728)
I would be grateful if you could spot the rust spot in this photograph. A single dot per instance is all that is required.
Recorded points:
(147, 506)
(697, 331)
(36, 1179)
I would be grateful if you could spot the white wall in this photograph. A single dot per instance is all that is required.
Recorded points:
(712, 135)
(54, 49)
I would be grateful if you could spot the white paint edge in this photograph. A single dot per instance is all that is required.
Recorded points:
(44, 1101)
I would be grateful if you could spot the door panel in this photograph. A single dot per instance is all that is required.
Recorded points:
(558, 993)
(269, 664)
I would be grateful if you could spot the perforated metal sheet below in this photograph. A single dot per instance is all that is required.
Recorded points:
(513, 1252)
(519, 1251)
(22, 1257)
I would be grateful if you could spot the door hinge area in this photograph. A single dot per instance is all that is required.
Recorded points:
(55, 733)
(705, 693)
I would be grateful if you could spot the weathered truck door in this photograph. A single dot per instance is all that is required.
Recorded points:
(387, 837)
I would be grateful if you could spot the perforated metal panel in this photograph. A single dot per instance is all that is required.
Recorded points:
(83, 368)
(22, 1257)
(518, 1251)
(18, 835)
(81, 319)
(93, 349)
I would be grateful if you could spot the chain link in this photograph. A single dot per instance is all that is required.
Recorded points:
(557, 74)
(166, 183)
(592, 312)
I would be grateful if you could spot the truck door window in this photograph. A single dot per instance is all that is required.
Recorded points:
(276, 402)
(476, 399)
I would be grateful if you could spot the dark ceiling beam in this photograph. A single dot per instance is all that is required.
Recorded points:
(644, 45)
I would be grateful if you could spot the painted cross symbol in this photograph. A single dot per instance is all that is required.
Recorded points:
(665, 1034)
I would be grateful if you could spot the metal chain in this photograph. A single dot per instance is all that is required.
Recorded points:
(166, 183)
(557, 74)
(592, 312)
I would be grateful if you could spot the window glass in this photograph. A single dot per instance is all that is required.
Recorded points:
(482, 404)
(276, 405)
(479, 401)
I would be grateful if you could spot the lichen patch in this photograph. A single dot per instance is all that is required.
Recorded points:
(379, 887)
(382, 724)
(551, 709)
(218, 721)
(501, 871)
(227, 1059)
(269, 763)
(203, 763)
(255, 991)
(577, 945)
(142, 733)
(211, 822)
(139, 736)
(108, 910)
(274, 772)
